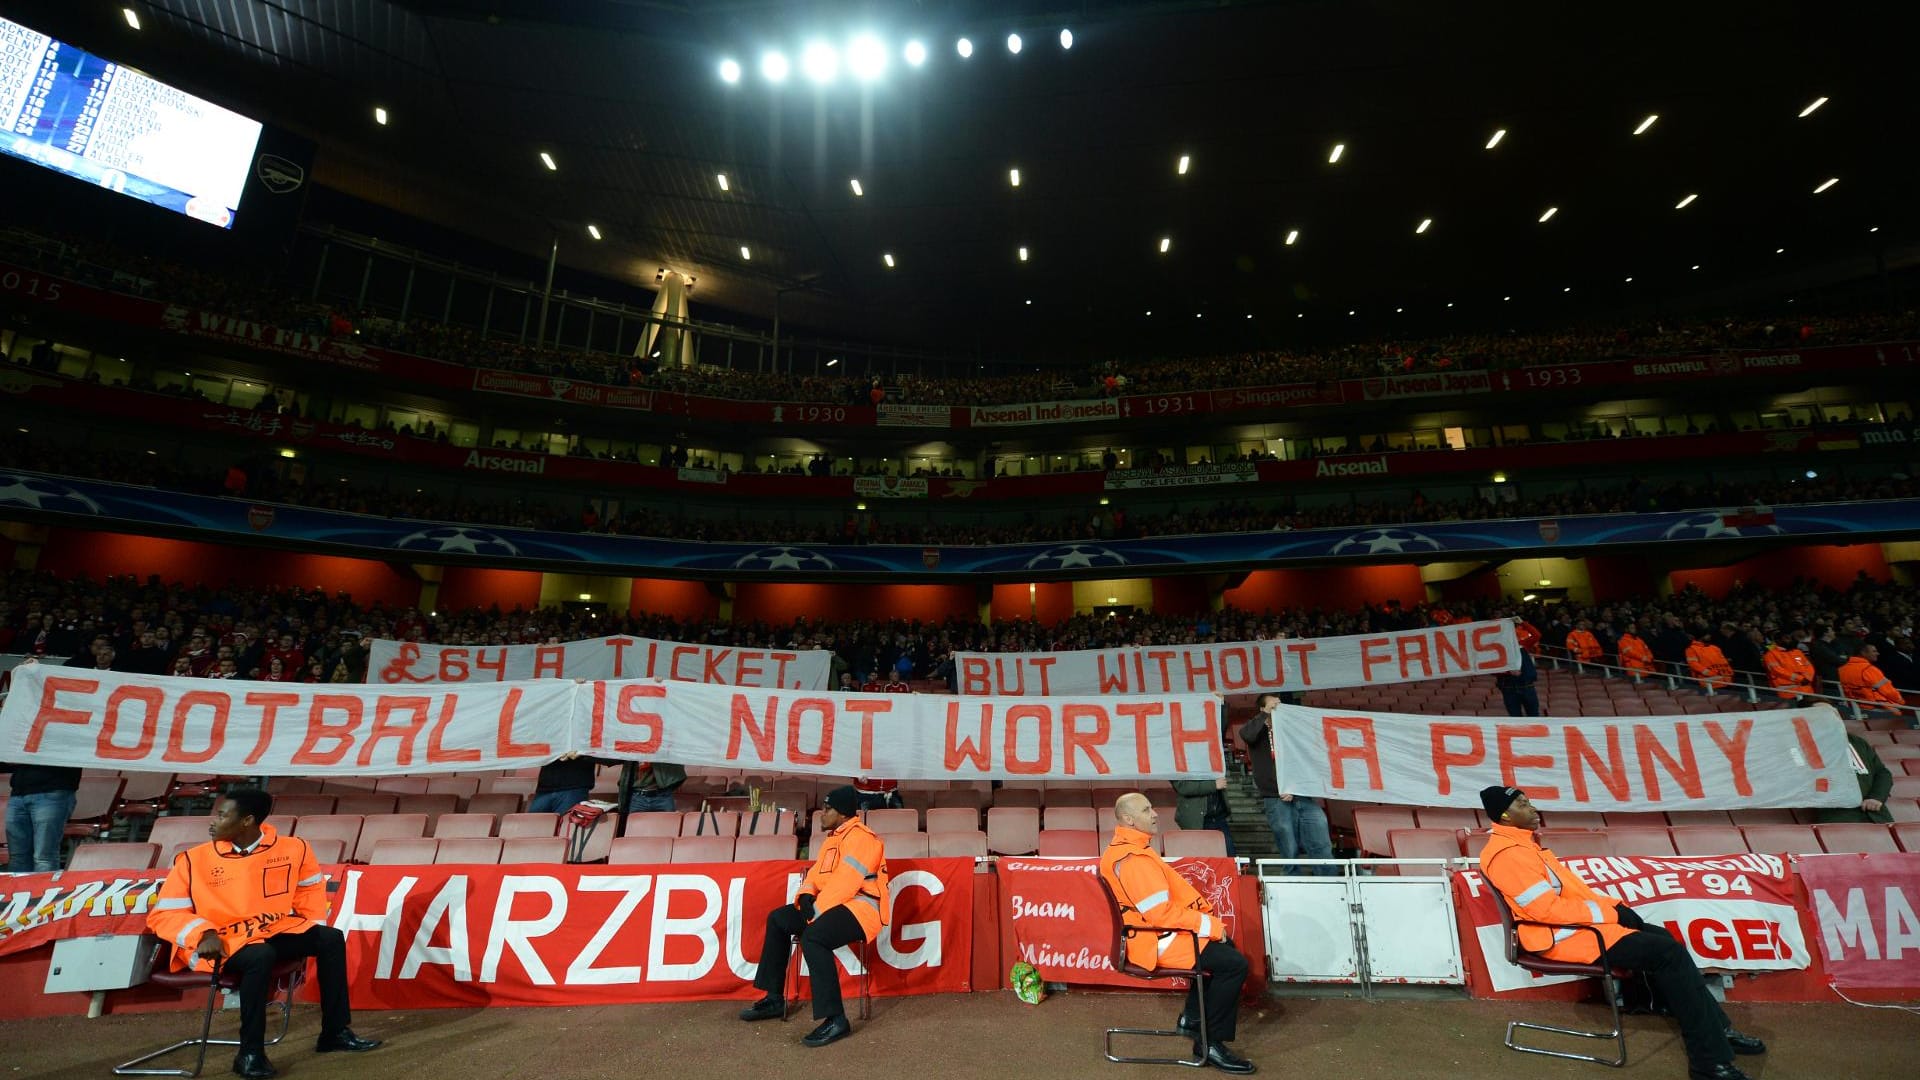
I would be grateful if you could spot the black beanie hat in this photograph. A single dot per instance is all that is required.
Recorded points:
(1496, 799)
(843, 800)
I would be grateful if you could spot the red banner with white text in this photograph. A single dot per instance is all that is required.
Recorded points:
(456, 936)
(1732, 912)
(40, 909)
(1239, 667)
(1060, 920)
(1867, 908)
(1712, 762)
(64, 716)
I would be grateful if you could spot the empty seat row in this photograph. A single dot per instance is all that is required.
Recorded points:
(467, 850)
(1372, 824)
(1677, 840)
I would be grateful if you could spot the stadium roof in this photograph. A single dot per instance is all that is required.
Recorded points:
(627, 98)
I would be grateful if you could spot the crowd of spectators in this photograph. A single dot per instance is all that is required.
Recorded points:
(258, 300)
(262, 480)
(306, 635)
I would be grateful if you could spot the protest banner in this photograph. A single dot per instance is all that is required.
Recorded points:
(1868, 910)
(616, 657)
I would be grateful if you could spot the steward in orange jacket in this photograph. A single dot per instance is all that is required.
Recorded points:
(1862, 682)
(250, 900)
(1539, 889)
(1789, 670)
(843, 899)
(1176, 928)
(1582, 645)
(1635, 654)
(1709, 665)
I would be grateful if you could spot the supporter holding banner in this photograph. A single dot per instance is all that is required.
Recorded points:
(614, 657)
(1868, 910)
(1241, 667)
(61, 716)
(457, 936)
(1715, 761)
(1732, 912)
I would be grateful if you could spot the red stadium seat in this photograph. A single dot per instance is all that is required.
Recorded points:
(1446, 818)
(708, 823)
(957, 843)
(401, 785)
(1904, 809)
(1372, 823)
(768, 821)
(653, 823)
(302, 805)
(384, 826)
(1417, 844)
(1640, 841)
(887, 822)
(1185, 844)
(93, 805)
(1781, 839)
(1907, 835)
(459, 825)
(899, 846)
(344, 828)
(703, 849)
(499, 804)
(1013, 830)
(1575, 843)
(478, 850)
(1856, 836)
(1906, 787)
(1016, 797)
(777, 848)
(542, 825)
(1617, 820)
(1067, 796)
(364, 804)
(1068, 843)
(433, 806)
(328, 851)
(1069, 817)
(520, 850)
(461, 787)
(114, 857)
(1573, 819)
(1707, 840)
(402, 851)
(1699, 817)
(641, 851)
(952, 819)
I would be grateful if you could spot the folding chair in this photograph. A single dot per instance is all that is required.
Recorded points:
(1534, 962)
(862, 949)
(284, 981)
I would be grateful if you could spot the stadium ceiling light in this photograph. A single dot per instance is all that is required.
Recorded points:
(593, 231)
(1629, 281)
(964, 47)
(729, 71)
(1548, 214)
(722, 178)
(1876, 228)
(380, 115)
(1829, 183)
(915, 53)
(819, 62)
(1013, 44)
(1686, 202)
(866, 58)
(1066, 39)
(1293, 235)
(1449, 303)
(1506, 298)
(1250, 315)
(1804, 113)
(1425, 224)
(1353, 313)
(1299, 314)
(746, 253)
(1185, 162)
(1779, 251)
(1333, 158)
(133, 20)
(547, 160)
(830, 363)
(1166, 244)
(1645, 124)
(1013, 177)
(1399, 311)
(1696, 266)
(888, 259)
(857, 189)
(1029, 303)
(774, 67)
(1197, 315)
(1566, 288)
(1023, 254)
(1494, 141)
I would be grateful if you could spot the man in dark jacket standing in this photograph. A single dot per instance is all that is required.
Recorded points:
(37, 812)
(1299, 823)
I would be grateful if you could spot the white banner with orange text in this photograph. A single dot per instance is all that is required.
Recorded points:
(1791, 758)
(1239, 667)
(616, 657)
(62, 716)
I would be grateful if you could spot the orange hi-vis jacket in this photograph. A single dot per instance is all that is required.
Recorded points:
(1709, 665)
(851, 870)
(1790, 672)
(1537, 887)
(1867, 684)
(1636, 655)
(1583, 646)
(1153, 894)
(245, 897)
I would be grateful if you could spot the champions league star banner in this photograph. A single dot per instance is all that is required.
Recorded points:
(98, 504)
(1718, 761)
(1284, 664)
(65, 716)
(616, 657)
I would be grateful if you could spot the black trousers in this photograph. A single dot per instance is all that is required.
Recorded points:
(1521, 700)
(1226, 972)
(255, 965)
(1678, 983)
(818, 939)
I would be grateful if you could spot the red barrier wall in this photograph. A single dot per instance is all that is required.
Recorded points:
(1337, 587)
(680, 599)
(80, 552)
(1834, 566)
(782, 603)
(1181, 596)
(1053, 600)
(465, 587)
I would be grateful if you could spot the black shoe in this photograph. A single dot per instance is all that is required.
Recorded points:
(767, 1008)
(254, 1066)
(1728, 1071)
(344, 1041)
(1187, 1025)
(1226, 1060)
(1743, 1043)
(829, 1031)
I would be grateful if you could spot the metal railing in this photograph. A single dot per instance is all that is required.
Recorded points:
(1749, 685)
